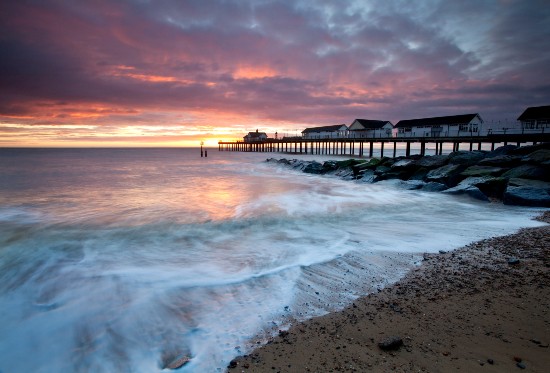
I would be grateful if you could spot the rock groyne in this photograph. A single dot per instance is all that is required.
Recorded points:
(511, 174)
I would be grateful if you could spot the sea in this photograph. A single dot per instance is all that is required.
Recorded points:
(126, 260)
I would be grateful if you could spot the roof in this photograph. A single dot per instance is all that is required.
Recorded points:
(256, 134)
(371, 124)
(334, 128)
(437, 121)
(536, 112)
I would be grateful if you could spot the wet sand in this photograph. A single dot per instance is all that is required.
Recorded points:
(468, 310)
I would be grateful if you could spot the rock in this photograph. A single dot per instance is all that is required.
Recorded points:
(391, 343)
(419, 174)
(528, 171)
(525, 150)
(410, 184)
(466, 158)
(313, 168)
(232, 364)
(526, 192)
(521, 365)
(537, 157)
(535, 341)
(513, 261)
(433, 161)
(403, 164)
(503, 150)
(468, 190)
(434, 187)
(380, 170)
(178, 363)
(504, 161)
(448, 174)
(442, 252)
(490, 361)
(482, 171)
(366, 176)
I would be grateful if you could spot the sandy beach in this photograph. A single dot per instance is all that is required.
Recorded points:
(482, 308)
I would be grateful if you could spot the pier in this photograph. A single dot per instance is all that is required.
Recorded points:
(364, 147)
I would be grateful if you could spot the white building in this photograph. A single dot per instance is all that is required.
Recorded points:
(326, 132)
(367, 128)
(255, 137)
(449, 126)
(535, 119)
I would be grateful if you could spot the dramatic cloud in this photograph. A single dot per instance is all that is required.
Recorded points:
(173, 72)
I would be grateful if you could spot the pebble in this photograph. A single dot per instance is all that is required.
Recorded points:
(391, 343)
(490, 361)
(513, 261)
(521, 365)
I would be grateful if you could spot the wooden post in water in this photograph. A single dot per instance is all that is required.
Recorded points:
(408, 151)
(370, 149)
(394, 148)
(381, 149)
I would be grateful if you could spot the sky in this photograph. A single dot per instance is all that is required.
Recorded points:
(177, 72)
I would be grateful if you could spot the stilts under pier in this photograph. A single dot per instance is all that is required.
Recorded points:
(364, 147)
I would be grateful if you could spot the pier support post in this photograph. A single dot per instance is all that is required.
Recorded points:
(408, 151)
(422, 148)
(381, 149)
(370, 149)
(394, 148)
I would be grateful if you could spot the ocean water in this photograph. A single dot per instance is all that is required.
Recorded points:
(127, 259)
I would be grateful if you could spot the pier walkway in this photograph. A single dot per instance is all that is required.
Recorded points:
(364, 146)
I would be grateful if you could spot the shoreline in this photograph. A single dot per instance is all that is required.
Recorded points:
(469, 309)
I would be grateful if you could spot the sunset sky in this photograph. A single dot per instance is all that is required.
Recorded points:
(175, 72)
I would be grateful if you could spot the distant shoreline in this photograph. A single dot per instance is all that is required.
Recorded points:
(470, 309)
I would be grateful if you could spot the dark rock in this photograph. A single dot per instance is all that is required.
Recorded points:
(442, 252)
(525, 150)
(232, 364)
(468, 190)
(403, 164)
(366, 176)
(391, 343)
(419, 174)
(513, 261)
(313, 168)
(526, 192)
(521, 365)
(448, 174)
(528, 171)
(503, 150)
(504, 161)
(537, 157)
(482, 171)
(535, 341)
(490, 361)
(434, 161)
(434, 187)
(466, 158)
(381, 170)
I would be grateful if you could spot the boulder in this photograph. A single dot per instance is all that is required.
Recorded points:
(528, 171)
(448, 174)
(527, 192)
(419, 174)
(503, 150)
(482, 171)
(433, 186)
(468, 190)
(381, 170)
(466, 158)
(366, 176)
(433, 161)
(525, 150)
(537, 157)
(313, 168)
(504, 161)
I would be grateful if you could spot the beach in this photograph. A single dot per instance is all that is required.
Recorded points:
(483, 307)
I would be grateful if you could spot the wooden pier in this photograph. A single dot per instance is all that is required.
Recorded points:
(363, 147)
